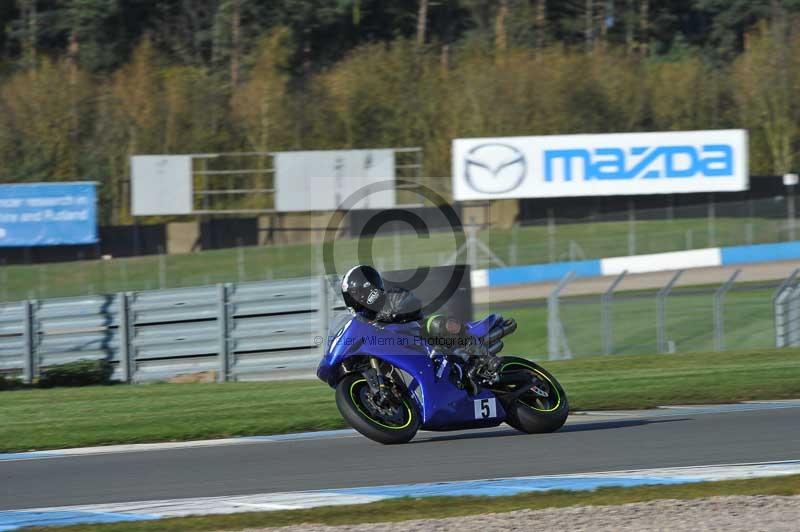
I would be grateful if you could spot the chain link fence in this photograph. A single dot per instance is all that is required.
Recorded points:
(674, 318)
(549, 239)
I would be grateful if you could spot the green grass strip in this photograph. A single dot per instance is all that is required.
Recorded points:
(101, 415)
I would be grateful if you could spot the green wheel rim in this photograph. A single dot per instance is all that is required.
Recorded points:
(545, 377)
(358, 407)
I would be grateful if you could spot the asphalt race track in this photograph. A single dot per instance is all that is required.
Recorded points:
(588, 443)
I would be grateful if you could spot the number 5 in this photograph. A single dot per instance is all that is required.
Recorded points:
(485, 409)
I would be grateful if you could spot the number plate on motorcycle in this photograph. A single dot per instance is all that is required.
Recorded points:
(485, 408)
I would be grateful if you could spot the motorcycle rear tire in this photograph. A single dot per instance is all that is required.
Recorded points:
(529, 418)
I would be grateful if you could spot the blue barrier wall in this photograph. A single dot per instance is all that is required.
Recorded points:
(537, 273)
(760, 253)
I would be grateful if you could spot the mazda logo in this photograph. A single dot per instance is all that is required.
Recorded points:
(494, 168)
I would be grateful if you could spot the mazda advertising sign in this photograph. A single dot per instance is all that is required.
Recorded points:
(600, 165)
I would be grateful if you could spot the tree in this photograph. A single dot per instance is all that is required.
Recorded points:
(728, 21)
(259, 101)
(422, 22)
(767, 76)
(44, 123)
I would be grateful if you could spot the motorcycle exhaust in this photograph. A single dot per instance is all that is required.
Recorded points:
(507, 327)
(493, 336)
(495, 347)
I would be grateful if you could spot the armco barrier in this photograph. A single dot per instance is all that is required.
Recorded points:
(13, 337)
(256, 330)
(245, 330)
(675, 260)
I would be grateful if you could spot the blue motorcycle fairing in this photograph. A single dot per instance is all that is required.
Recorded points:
(482, 327)
(441, 404)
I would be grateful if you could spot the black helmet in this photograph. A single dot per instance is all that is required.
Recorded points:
(362, 288)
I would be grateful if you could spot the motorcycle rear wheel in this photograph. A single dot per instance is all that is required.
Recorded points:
(397, 423)
(531, 412)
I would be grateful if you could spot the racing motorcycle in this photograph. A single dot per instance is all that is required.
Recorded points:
(390, 383)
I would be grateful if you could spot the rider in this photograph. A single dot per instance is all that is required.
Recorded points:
(364, 294)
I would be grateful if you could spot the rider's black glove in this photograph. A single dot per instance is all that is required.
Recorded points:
(400, 306)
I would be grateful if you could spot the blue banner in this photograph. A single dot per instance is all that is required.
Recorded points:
(48, 214)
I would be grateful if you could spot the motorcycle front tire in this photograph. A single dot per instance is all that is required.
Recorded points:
(357, 415)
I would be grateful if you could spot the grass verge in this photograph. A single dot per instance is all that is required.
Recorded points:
(441, 507)
(100, 415)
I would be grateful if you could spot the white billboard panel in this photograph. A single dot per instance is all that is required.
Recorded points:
(600, 165)
(161, 184)
(323, 180)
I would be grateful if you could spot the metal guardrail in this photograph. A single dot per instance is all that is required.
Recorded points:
(240, 330)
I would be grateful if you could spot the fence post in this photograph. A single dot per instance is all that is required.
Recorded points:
(124, 339)
(551, 236)
(240, 260)
(512, 248)
(719, 319)
(398, 261)
(661, 298)
(793, 317)
(4, 280)
(472, 249)
(123, 272)
(324, 311)
(42, 281)
(631, 228)
(28, 362)
(162, 269)
(222, 321)
(790, 209)
(712, 226)
(556, 339)
(605, 313)
(779, 314)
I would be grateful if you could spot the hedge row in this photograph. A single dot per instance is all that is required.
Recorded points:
(78, 373)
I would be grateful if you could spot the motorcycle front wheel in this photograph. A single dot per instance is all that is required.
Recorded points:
(544, 407)
(397, 422)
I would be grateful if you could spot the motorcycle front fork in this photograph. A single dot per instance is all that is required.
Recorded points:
(377, 382)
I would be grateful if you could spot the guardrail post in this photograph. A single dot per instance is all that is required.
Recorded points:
(222, 321)
(125, 364)
(779, 314)
(661, 299)
(605, 313)
(28, 362)
(324, 311)
(719, 318)
(556, 339)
